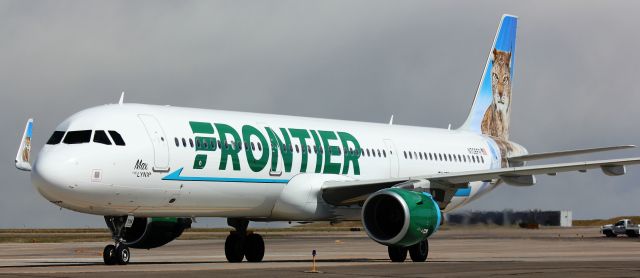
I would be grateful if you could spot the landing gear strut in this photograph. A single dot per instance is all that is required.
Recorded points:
(418, 252)
(117, 253)
(240, 244)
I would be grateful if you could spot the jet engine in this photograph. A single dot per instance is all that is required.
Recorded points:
(147, 233)
(399, 217)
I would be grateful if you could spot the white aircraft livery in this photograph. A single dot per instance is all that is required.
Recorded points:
(150, 170)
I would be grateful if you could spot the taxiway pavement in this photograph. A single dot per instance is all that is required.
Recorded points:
(456, 252)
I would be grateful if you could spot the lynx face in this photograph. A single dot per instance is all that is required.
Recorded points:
(501, 81)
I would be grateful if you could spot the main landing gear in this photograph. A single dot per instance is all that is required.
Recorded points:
(418, 252)
(117, 253)
(240, 244)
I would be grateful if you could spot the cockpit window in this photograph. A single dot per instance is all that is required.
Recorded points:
(55, 138)
(116, 138)
(77, 137)
(101, 137)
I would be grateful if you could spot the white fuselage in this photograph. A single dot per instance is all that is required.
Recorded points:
(157, 174)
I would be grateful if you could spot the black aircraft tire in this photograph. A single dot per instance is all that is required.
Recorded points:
(122, 254)
(234, 248)
(254, 248)
(109, 255)
(397, 254)
(419, 251)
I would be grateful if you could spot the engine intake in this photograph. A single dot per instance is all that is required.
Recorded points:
(400, 217)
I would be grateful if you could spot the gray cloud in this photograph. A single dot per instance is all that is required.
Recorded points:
(575, 84)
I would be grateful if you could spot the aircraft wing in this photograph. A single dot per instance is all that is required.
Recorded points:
(537, 156)
(342, 193)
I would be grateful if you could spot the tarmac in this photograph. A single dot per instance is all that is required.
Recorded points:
(454, 252)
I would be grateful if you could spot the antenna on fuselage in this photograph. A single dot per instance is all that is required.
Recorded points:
(121, 98)
(391, 120)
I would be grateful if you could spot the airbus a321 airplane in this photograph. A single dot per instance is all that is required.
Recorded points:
(150, 170)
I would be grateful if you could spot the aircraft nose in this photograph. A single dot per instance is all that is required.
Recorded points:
(52, 173)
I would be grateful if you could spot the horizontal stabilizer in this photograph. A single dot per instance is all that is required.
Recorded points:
(547, 155)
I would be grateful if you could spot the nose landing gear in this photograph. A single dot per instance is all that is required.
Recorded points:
(117, 253)
(240, 244)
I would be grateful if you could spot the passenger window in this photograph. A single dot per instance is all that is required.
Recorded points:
(191, 142)
(297, 150)
(177, 142)
(117, 139)
(253, 146)
(405, 154)
(259, 146)
(379, 153)
(101, 137)
(77, 137)
(410, 156)
(184, 142)
(384, 153)
(55, 138)
(482, 158)
(198, 144)
(420, 156)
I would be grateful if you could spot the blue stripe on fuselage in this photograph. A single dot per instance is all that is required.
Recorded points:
(175, 176)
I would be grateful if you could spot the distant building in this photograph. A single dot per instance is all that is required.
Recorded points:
(558, 218)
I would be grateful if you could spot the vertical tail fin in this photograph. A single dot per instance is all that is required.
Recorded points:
(492, 105)
(23, 158)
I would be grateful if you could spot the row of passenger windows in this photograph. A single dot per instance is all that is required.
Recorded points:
(202, 143)
(84, 136)
(207, 144)
(443, 157)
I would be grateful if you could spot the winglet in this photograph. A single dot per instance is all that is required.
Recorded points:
(121, 101)
(24, 152)
(391, 120)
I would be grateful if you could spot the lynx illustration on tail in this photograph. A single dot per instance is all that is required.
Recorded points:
(491, 109)
(495, 122)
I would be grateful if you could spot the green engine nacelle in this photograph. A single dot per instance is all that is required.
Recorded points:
(400, 217)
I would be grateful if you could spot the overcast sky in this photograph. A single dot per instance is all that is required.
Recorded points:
(575, 85)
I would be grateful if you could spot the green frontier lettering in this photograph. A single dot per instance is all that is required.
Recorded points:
(351, 153)
(329, 150)
(206, 128)
(318, 150)
(229, 150)
(302, 136)
(256, 165)
(324, 146)
(276, 143)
